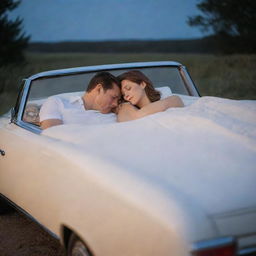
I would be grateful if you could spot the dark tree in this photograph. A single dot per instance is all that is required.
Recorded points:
(12, 40)
(232, 22)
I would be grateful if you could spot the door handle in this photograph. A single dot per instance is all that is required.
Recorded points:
(2, 152)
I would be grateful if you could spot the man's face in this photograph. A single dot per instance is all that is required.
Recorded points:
(107, 101)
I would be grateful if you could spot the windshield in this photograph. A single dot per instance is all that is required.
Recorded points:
(42, 88)
(160, 76)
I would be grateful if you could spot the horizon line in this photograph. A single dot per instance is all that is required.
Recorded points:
(119, 40)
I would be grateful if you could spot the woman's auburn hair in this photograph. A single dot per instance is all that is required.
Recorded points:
(138, 77)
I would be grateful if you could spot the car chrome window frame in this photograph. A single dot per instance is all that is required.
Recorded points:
(21, 103)
(19, 108)
(189, 83)
(15, 109)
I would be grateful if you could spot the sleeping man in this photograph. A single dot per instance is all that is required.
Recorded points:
(95, 106)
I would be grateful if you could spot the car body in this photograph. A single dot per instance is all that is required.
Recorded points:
(93, 202)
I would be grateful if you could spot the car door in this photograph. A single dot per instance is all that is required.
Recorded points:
(26, 172)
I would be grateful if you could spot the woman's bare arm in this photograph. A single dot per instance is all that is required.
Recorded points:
(160, 105)
(128, 112)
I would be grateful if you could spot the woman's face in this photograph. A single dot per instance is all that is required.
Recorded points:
(133, 92)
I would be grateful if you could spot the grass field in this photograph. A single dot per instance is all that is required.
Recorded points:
(223, 76)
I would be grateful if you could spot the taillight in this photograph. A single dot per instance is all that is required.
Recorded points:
(216, 247)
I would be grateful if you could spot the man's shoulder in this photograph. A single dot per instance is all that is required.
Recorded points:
(56, 98)
(59, 99)
(67, 97)
(64, 101)
(52, 102)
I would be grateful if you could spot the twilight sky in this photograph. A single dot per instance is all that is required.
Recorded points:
(89, 20)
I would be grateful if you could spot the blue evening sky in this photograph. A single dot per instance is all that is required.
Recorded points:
(89, 20)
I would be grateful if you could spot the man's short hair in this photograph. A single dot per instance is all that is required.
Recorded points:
(105, 79)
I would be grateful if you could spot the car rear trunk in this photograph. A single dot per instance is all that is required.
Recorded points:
(201, 156)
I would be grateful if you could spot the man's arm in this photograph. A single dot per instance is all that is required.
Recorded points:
(49, 123)
(128, 112)
(50, 113)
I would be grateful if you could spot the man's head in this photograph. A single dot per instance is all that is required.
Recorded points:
(103, 93)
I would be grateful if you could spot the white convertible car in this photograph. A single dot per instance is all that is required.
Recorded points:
(180, 182)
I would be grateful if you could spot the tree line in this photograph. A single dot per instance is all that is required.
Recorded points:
(205, 45)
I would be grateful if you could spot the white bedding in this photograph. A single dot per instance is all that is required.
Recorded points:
(209, 145)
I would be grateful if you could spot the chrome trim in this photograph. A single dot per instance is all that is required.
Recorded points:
(15, 109)
(28, 126)
(23, 99)
(16, 117)
(69, 71)
(247, 251)
(191, 87)
(213, 243)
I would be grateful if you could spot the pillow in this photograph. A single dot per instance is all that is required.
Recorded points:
(187, 100)
(165, 91)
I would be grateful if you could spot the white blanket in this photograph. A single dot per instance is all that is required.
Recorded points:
(209, 145)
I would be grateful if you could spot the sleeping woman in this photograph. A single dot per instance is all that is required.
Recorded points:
(141, 97)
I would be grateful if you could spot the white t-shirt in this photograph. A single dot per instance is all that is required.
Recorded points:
(71, 111)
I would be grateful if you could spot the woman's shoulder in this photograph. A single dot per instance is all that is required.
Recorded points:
(174, 101)
(126, 112)
(172, 97)
(127, 105)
